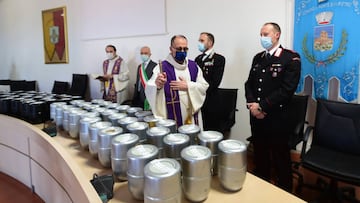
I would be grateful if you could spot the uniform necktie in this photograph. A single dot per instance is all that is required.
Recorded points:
(203, 56)
(268, 55)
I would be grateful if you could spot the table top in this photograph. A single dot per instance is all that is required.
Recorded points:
(254, 188)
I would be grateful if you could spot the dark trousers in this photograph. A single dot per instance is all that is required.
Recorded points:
(272, 151)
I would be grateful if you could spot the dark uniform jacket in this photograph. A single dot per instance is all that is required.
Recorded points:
(271, 83)
(213, 70)
(139, 96)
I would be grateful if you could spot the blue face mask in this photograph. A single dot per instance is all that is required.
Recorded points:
(180, 55)
(201, 47)
(144, 57)
(266, 42)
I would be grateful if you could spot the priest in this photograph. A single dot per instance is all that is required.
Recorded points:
(177, 88)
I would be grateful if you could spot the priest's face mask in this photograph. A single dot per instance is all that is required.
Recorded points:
(179, 49)
(110, 52)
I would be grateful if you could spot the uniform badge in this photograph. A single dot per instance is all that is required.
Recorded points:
(275, 69)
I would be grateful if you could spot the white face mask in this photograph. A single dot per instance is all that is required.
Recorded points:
(109, 55)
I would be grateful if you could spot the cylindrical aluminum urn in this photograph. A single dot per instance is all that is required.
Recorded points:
(122, 108)
(162, 181)
(105, 137)
(211, 139)
(174, 143)
(196, 172)
(155, 136)
(123, 122)
(151, 120)
(232, 164)
(132, 110)
(84, 134)
(113, 118)
(138, 128)
(142, 114)
(107, 113)
(74, 122)
(119, 147)
(138, 157)
(192, 131)
(93, 130)
(171, 124)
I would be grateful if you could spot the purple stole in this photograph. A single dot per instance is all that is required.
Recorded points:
(172, 96)
(111, 96)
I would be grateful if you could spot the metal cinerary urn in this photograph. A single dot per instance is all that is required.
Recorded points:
(122, 108)
(138, 128)
(66, 110)
(123, 122)
(232, 164)
(142, 114)
(107, 113)
(120, 145)
(59, 115)
(74, 122)
(138, 157)
(93, 130)
(113, 106)
(171, 124)
(211, 140)
(151, 120)
(105, 137)
(196, 172)
(84, 134)
(113, 118)
(174, 143)
(53, 107)
(162, 182)
(192, 131)
(132, 110)
(155, 137)
(90, 115)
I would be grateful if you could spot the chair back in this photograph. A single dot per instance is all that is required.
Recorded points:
(227, 99)
(297, 109)
(337, 126)
(60, 87)
(79, 85)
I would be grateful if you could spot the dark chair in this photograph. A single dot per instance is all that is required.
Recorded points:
(227, 99)
(335, 149)
(60, 87)
(5, 82)
(79, 85)
(297, 109)
(30, 85)
(17, 85)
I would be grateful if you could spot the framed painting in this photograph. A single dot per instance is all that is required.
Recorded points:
(55, 35)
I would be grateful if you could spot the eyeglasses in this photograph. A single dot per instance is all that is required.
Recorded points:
(181, 48)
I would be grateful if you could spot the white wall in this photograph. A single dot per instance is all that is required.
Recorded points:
(235, 24)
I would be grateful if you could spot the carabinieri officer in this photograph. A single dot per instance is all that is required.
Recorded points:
(272, 81)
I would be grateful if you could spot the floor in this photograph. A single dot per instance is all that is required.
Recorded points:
(14, 191)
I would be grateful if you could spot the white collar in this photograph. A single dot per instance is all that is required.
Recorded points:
(273, 49)
(176, 65)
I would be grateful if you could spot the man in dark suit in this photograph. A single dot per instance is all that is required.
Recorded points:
(212, 65)
(272, 81)
(144, 72)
